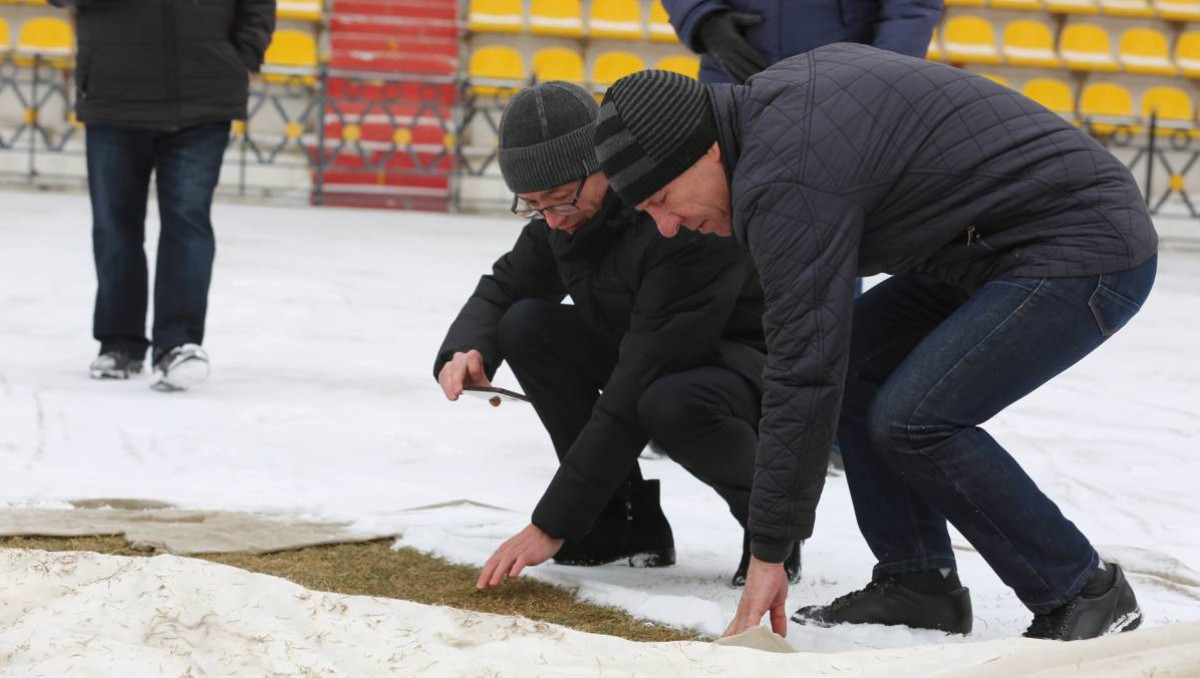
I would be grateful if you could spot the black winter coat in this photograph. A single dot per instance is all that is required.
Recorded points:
(168, 64)
(850, 160)
(663, 305)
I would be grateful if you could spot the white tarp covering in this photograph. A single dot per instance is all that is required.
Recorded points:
(84, 614)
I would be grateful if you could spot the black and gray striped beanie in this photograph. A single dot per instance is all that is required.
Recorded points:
(653, 125)
(546, 137)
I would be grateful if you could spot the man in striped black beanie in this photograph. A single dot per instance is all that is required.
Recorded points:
(1016, 245)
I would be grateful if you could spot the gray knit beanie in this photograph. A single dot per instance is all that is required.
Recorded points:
(546, 137)
(653, 126)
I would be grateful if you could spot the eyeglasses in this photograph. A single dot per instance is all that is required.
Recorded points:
(566, 209)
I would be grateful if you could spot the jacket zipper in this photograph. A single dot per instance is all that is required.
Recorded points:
(171, 60)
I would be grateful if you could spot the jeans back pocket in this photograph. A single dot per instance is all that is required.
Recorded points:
(1111, 309)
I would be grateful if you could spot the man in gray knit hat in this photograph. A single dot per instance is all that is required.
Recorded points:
(1017, 245)
(663, 340)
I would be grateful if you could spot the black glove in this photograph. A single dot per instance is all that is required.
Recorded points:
(720, 35)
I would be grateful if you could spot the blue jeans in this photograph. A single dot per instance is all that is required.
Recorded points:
(187, 164)
(930, 362)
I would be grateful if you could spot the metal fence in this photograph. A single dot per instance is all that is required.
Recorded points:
(330, 137)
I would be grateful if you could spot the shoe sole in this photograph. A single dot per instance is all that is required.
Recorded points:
(1126, 622)
(116, 374)
(643, 559)
(183, 376)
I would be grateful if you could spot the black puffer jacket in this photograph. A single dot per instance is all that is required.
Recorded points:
(664, 304)
(850, 160)
(167, 64)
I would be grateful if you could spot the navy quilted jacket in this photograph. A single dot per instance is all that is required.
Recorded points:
(850, 160)
(791, 27)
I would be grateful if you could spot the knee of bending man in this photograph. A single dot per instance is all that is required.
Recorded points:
(668, 412)
(521, 325)
(897, 424)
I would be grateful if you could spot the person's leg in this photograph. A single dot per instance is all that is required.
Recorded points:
(559, 363)
(706, 420)
(119, 162)
(188, 167)
(904, 532)
(1011, 336)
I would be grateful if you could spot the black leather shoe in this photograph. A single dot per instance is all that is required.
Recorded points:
(632, 528)
(887, 601)
(791, 566)
(1114, 611)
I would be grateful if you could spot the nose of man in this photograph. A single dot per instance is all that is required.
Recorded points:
(554, 220)
(668, 224)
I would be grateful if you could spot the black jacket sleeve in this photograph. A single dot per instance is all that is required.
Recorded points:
(529, 271)
(686, 295)
(805, 246)
(253, 30)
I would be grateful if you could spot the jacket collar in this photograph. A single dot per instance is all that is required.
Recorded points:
(722, 98)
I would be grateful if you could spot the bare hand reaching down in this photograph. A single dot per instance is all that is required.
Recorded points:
(530, 547)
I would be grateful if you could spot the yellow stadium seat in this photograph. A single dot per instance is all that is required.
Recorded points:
(970, 39)
(1086, 47)
(556, 17)
(496, 63)
(494, 16)
(5, 36)
(1178, 10)
(616, 20)
(1019, 5)
(686, 64)
(612, 66)
(998, 79)
(300, 10)
(1144, 50)
(660, 26)
(1107, 104)
(934, 53)
(1028, 42)
(558, 63)
(1173, 108)
(46, 37)
(1072, 6)
(964, 3)
(1052, 93)
(292, 55)
(1187, 53)
(1127, 7)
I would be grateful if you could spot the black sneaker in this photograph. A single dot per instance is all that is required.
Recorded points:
(889, 602)
(1114, 611)
(791, 566)
(632, 528)
(115, 365)
(180, 368)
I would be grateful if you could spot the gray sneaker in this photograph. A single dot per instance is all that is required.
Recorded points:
(180, 368)
(115, 365)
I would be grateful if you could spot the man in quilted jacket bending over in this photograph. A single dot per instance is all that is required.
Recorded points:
(1017, 246)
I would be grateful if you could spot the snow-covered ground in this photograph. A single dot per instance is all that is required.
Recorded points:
(322, 330)
(83, 615)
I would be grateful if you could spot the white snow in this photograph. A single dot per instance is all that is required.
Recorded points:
(81, 615)
(322, 330)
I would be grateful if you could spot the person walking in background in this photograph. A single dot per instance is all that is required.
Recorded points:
(669, 331)
(158, 83)
(738, 38)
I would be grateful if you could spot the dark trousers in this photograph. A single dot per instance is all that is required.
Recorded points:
(187, 165)
(706, 418)
(928, 364)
